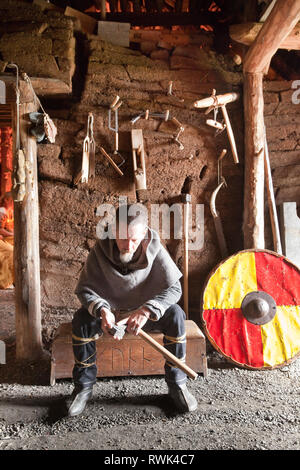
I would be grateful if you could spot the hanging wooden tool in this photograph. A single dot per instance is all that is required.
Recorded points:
(139, 165)
(214, 212)
(114, 108)
(170, 92)
(180, 130)
(271, 201)
(251, 309)
(186, 200)
(220, 101)
(88, 153)
(165, 115)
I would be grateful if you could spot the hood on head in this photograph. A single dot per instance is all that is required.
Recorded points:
(144, 255)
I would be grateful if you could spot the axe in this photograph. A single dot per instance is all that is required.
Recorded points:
(119, 329)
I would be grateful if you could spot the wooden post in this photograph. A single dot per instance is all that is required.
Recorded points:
(26, 248)
(254, 161)
(280, 22)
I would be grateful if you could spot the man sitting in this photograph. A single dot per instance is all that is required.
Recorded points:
(130, 272)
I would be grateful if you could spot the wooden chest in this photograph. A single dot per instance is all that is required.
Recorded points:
(131, 356)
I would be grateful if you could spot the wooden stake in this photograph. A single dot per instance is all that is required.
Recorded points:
(186, 199)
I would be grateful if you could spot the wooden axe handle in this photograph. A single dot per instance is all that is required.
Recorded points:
(177, 362)
(230, 134)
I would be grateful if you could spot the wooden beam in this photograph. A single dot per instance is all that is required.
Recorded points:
(246, 33)
(281, 21)
(162, 18)
(43, 86)
(253, 225)
(172, 38)
(26, 246)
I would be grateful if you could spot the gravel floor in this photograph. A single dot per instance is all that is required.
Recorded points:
(238, 409)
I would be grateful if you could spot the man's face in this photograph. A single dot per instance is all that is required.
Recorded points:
(130, 241)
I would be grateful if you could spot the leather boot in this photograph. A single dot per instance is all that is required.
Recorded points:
(182, 398)
(79, 399)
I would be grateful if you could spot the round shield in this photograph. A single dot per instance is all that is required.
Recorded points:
(251, 309)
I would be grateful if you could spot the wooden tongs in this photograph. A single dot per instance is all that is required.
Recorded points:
(88, 153)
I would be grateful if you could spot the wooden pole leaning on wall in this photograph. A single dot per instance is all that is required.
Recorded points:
(26, 244)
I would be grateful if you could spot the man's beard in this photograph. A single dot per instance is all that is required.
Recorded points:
(126, 257)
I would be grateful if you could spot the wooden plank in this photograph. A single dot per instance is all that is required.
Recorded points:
(253, 226)
(50, 86)
(281, 21)
(162, 18)
(246, 33)
(172, 38)
(26, 249)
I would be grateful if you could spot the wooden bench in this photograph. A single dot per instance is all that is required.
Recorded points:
(131, 356)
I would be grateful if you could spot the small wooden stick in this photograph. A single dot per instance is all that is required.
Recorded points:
(115, 101)
(271, 201)
(111, 161)
(186, 199)
(230, 134)
(218, 100)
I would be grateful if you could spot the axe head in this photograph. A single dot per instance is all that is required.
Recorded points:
(118, 331)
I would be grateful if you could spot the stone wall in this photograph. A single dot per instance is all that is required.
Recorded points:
(42, 44)
(282, 114)
(68, 212)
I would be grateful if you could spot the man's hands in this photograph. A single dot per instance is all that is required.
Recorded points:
(108, 319)
(137, 320)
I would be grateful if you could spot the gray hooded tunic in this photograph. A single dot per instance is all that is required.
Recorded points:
(151, 279)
